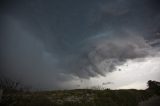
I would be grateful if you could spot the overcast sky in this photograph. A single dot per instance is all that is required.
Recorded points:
(66, 44)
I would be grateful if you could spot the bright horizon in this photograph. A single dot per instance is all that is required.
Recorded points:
(134, 74)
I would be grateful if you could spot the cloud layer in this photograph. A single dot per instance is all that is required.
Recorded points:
(44, 43)
(104, 55)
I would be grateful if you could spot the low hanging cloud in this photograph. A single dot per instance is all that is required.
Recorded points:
(46, 43)
(34, 65)
(106, 54)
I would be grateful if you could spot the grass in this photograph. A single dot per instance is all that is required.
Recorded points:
(13, 95)
(79, 97)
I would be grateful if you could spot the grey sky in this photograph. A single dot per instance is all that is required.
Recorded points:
(47, 42)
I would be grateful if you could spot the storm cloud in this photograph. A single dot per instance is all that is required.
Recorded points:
(47, 42)
(105, 54)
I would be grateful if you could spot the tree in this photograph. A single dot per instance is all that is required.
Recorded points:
(8, 85)
(154, 86)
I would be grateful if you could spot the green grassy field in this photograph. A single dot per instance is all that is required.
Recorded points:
(79, 97)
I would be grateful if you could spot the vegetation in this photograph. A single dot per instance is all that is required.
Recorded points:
(78, 97)
(154, 86)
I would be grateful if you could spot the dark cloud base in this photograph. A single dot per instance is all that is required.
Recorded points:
(44, 43)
